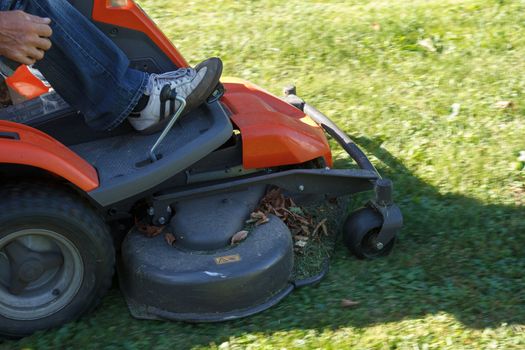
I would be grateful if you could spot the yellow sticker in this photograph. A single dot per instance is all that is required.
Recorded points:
(221, 260)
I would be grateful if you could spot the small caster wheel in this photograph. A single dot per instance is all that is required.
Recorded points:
(360, 233)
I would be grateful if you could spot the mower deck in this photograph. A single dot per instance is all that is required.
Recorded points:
(161, 281)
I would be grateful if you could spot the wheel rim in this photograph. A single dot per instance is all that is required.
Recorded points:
(41, 272)
(369, 244)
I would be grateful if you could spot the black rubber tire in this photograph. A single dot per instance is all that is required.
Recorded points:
(359, 230)
(60, 209)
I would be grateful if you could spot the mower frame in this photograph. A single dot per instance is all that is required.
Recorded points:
(327, 181)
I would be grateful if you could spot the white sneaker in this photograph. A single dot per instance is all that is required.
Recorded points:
(194, 85)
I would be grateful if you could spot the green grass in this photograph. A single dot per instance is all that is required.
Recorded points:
(456, 278)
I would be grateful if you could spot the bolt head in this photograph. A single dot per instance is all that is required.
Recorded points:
(380, 245)
(151, 211)
(162, 220)
(301, 188)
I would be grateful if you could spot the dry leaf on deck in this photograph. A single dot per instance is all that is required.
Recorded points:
(319, 225)
(149, 230)
(324, 228)
(239, 237)
(262, 221)
(169, 238)
(305, 229)
(256, 216)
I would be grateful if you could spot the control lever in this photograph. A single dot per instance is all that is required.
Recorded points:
(216, 94)
(167, 95)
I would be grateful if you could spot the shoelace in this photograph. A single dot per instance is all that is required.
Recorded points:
(165, 78)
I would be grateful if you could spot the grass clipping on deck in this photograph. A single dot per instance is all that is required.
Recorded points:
(312, 229)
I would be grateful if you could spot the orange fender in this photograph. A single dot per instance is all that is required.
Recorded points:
(21, 144)
(273, 132)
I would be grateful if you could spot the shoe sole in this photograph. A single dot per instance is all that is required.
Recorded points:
(201, 93)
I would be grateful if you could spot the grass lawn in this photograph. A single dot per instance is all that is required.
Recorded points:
(388, 72)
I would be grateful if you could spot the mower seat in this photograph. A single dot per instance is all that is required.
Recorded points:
(51, 114)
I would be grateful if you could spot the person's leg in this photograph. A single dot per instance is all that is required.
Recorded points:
(84, 66)
(92, 74)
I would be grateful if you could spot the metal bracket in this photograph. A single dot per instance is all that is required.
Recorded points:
(306, 181)
(216, 94)
(392, 216)
(160, 214)
(290, 96)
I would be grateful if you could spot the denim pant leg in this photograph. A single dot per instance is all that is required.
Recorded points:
(84, 66)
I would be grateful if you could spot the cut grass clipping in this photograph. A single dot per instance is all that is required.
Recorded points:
(313, 228)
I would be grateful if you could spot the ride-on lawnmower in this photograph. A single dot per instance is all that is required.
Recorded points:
(69, 192)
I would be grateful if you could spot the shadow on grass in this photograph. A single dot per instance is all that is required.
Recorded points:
(455, 255)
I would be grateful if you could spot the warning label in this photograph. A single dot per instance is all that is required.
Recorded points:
(221, 260)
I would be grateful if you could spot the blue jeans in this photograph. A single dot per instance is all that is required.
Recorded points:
(84, 66)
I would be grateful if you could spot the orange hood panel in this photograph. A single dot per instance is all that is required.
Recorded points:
(273, 132)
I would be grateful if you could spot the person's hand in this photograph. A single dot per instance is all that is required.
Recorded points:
(23, 37)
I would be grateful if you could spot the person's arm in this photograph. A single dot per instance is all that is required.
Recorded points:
(23, 37)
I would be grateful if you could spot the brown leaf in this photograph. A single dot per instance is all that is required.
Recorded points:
(300, 223)
(149, 230)
(324, 228)
(346, 303)
(301, 219)
(376, 27)
(169, 238)
(239, 237)
(301, 238)
(305, 229)
(504, 104)
(256, 216)
(262, 221)
(321, 223)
